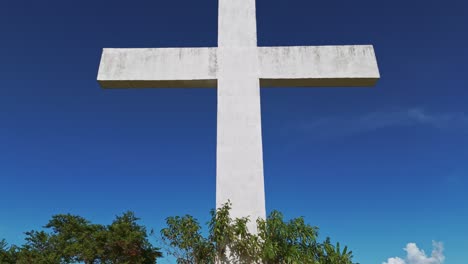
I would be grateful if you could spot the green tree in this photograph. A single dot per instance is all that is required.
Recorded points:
(333, 255)
(8, 254)
(77, 239)
(185, 242)
(231, 238)
(73, 239)
(287, 242)
(229, 241)
(127, 242)
(40, 248)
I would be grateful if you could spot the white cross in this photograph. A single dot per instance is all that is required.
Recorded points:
(237, 67)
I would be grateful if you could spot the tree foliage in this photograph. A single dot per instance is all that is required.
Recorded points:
(229, 241)
(73, 239)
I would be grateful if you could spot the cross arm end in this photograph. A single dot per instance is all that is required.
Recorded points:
(306, 66)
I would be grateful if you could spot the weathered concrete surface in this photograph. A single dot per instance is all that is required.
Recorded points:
(318, 66)
(278, 66)
(238, 68)
(239, 157)
(167, 67)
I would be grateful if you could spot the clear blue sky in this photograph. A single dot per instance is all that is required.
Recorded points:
(374, 168)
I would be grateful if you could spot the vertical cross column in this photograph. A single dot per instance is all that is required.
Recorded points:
(239, 161)
(237, 24)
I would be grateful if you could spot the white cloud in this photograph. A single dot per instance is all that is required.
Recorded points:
(394, 261)
(414, 255)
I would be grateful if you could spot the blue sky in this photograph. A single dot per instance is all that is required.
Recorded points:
(374, 168)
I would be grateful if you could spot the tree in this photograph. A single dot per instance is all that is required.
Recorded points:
(77, 239)
(127, 242)
(73, 239)
(185, 242)
(333, 254)
(229, 241)
(40, 248)
(8, 254)
(288, 242)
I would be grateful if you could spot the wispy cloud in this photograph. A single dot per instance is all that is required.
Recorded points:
(351, 125)
(414, 255)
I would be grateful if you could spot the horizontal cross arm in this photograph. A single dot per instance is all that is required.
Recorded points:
(318, 66)
(162, 67)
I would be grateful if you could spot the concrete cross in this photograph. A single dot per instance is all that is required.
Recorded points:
(237, 67)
